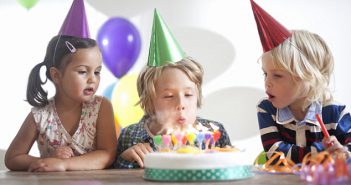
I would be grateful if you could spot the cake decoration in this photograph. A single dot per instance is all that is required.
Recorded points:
(325, 168)
(278, 163)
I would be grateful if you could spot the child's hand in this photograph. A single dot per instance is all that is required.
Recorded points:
(332, 144)
(47, 165)
(63, 152)
(137, 153)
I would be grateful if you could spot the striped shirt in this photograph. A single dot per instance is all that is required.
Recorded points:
(280, 131)
(137, 133)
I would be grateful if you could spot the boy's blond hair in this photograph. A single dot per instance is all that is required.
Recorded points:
(148, 76)
(307, 57)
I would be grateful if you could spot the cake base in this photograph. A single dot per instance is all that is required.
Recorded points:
(187, 167)
(188, 175)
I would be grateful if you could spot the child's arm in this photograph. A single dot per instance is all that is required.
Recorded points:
(132, 146)
(101, 158)
(341, 138)
(125, 141)
(137, 153)
(333, 145)
(17, 157)
(106, 140)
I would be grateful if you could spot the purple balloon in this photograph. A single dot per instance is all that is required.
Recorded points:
(120, 43)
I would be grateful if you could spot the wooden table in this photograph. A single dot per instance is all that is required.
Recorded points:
(99, 177)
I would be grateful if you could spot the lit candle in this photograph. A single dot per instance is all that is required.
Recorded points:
(208, 137)
(174, 140)
(200, 139)
(191, 138)
(216, 135)
(158, 141)
(178, 136)
(184, 140)
(166, 139)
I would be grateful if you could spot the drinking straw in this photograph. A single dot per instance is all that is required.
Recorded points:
(324, 130)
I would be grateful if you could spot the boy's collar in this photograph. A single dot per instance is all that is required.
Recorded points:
(285, 115)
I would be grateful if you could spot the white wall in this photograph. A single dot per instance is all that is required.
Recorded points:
(221, 34)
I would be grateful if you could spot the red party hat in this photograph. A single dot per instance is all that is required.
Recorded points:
(76, 23)
(272, 33)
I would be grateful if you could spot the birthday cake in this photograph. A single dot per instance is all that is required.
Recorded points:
(193, 157)
(198, 166)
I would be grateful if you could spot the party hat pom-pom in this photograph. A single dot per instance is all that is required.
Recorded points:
(216, 135)
(191, 138)
(157, 140)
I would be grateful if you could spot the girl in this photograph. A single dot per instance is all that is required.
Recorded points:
(74, 129)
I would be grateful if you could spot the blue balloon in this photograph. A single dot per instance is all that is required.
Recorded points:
(120, 44)
(107, 93)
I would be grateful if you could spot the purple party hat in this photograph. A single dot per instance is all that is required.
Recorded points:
(76, 23)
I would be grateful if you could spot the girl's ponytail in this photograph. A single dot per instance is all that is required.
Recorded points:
(36, 95)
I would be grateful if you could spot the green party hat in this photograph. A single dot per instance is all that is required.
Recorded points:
(163, 46)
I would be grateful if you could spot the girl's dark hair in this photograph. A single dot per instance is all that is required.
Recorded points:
(59, 47)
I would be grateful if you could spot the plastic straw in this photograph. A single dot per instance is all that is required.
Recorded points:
(324, 130)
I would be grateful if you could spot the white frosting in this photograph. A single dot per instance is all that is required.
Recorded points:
(167, 160)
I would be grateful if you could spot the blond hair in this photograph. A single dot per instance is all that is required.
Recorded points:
(149, 75)
(307, 57)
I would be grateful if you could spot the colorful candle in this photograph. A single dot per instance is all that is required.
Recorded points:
(178, 136)
(191, 138)
(200, 139)
(174, 140)
(157, 140)
(184, 140)
(216, 135)
(166, 139)
(208, 137)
